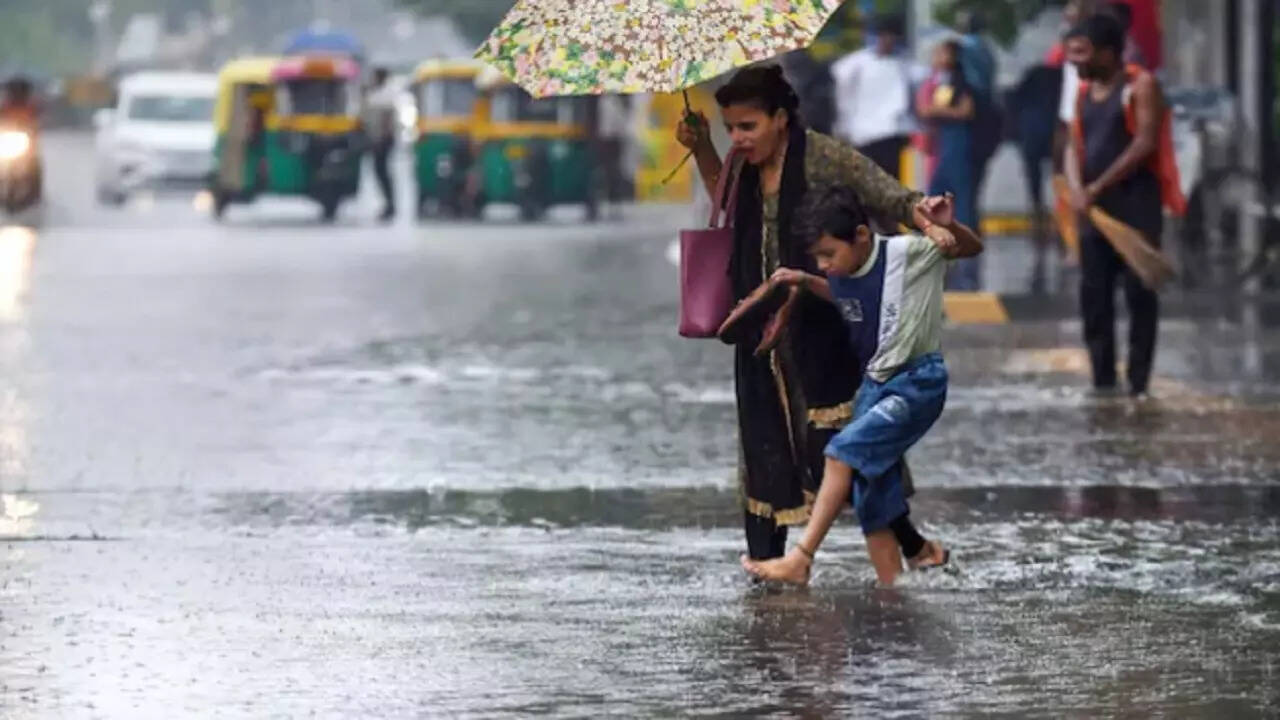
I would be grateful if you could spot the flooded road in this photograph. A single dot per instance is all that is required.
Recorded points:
(274, 469)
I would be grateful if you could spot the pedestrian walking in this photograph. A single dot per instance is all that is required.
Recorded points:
(381, 126)
(873, 97)
(789, 401)
(614, 130)
(888, 290)
(978, 63)
(1120, 160)
(947, 105)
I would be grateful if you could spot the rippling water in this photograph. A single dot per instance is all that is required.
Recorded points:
(424, 483)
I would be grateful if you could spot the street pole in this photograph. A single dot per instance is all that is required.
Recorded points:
(1252, 117)
(100, 16)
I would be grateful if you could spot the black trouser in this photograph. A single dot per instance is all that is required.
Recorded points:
(382, 170)
(887, 153)
(1101, 265)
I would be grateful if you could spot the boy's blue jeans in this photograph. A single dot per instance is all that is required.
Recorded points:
(888, 418)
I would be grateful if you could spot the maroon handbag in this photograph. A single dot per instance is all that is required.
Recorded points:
(706, 295)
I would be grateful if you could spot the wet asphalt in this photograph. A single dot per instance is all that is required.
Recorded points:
(270, 468)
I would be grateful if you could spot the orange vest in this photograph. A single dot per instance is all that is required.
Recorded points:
(1163, 161)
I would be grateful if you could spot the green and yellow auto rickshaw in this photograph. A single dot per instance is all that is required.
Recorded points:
(288, 126)
(534, 153)
(450, 111)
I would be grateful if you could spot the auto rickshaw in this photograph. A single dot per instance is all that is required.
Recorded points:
(450, 111)
(535, 153)
(288, 126)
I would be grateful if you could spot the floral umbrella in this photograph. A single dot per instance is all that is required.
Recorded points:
(589, 47)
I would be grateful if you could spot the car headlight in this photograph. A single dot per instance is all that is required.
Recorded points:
(14, 144)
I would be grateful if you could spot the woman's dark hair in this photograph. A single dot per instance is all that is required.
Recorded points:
(761, 86)
(840, 214)
(954, 47)
(1103, 31)
(959, 84)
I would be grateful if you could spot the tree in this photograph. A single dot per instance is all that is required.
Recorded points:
(475, 18)
(1002, 17)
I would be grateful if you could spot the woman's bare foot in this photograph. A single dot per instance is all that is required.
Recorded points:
(793, 568)
(932, 556)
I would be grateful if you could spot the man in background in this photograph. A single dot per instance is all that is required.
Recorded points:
(1112, 162)
(380, 124)
(873, 97)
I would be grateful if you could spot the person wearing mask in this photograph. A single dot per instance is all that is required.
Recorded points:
(1117, 160)
(380, 124)
(873, 97)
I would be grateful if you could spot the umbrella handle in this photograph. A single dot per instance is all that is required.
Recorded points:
(690, 118)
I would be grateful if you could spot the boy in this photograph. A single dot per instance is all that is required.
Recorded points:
(889, 290)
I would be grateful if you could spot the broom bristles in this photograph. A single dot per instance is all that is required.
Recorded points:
(1147, 262)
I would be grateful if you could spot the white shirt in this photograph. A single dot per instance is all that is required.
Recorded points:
(1070, 91)
(380, 113)
(873, 96)
(910, 302)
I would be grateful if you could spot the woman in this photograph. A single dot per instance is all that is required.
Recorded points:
(946, 104)
(789, 402)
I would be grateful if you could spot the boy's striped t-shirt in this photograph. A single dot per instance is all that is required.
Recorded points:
(893, 303)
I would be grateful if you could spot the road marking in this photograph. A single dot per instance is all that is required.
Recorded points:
(974, 308)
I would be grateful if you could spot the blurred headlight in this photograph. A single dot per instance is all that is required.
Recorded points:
(14, 144)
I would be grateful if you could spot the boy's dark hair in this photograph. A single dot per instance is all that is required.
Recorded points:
(761, 86)
(840, 214)
(1103, 31)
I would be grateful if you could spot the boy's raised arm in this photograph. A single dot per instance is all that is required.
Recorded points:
(815, 284)
(967, 243)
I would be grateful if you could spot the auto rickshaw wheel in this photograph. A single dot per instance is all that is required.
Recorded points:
(423, 209)
(220, 202)
(532, 211)
(329, 209)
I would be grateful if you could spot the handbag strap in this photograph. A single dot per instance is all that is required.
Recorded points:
(734, 168)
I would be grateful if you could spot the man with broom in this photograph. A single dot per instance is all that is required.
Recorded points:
(1120, 170)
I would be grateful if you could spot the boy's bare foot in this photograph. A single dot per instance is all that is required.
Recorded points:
(932, 556)
(793, 568)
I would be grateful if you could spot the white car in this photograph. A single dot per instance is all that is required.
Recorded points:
(160, 135)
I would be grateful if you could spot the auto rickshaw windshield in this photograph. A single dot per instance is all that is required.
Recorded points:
(171, 108)
(311, 96)
(511, 104)
(446, 97)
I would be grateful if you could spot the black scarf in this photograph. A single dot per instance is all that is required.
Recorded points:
(820, 345)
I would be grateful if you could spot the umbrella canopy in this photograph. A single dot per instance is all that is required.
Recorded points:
(579, 47)
(312, 41)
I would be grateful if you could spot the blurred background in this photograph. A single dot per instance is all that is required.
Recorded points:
(77, 51)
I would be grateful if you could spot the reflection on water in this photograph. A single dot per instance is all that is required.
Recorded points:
(715, 507)
(16, 246)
